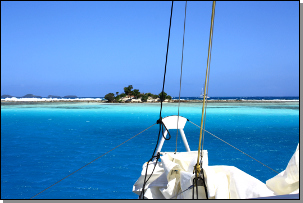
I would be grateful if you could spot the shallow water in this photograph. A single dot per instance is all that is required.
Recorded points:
(43, 143)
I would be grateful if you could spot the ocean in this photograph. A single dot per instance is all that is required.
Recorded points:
(43, 143)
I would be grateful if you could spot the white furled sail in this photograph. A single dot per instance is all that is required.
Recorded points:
(173, 178)
(287, 182)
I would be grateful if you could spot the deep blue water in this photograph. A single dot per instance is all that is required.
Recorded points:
(43, 143)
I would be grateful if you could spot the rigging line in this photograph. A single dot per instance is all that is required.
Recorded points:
(157, 140)
(211, 46)
(182, 192)
(235, 148)
(196, 184)
(145, 181)
(190, 187)
(92, 161)
(162, 93)
(171, 13)
(181, 78)
(202, 117)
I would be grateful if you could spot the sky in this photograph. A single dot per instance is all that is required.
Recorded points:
(89, 49)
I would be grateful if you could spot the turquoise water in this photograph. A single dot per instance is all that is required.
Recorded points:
(43, 143)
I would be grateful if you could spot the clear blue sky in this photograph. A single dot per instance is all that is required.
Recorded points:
(93, 48)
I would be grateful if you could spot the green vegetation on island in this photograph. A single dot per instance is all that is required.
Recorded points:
(135, 95)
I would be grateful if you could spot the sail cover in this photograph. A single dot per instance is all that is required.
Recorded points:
(173, 177)
(287, 182)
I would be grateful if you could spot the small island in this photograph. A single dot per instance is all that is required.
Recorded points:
(6, 96)
(128, 96)
(70, 96)
(31, 96)
(53, 96)
(135, 95)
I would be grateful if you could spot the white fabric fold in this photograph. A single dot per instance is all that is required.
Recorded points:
(287, 181)
(174, 175)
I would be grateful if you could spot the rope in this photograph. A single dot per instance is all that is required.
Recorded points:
(145, 181)
(195, 183)
(162, 96)
(235, 148)
(171, 13)
(181, 78)
(205, 186)
(208, 61)
(92, 161)
(207, 91)
(190, 187)
(163, 125)
(162, 93)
